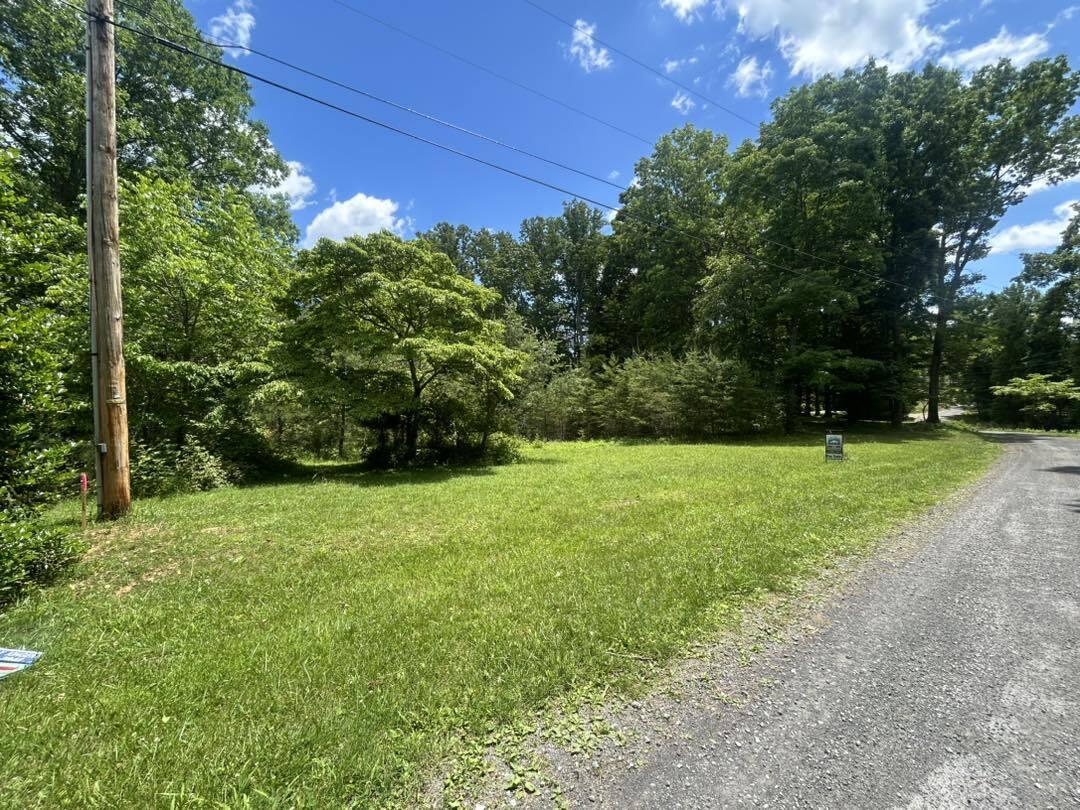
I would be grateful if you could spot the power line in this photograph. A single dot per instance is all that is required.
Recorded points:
(632, 58)
(666, 77)
(169, 44)
(368, 95)
(639, 62)
(477, 66)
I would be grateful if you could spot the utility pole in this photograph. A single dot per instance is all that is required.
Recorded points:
(103, 248)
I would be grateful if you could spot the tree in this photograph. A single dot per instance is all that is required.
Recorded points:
(1044, 401)
(176, 116)
(669, 224)
(203, 280)
(996, 134)
(807, 290)
(571, 252)
(1056, 334)
(399, 315)
(35, 250)
(35, 402)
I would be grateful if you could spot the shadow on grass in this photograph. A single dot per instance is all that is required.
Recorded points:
(1011, 438)
(363, 475)
(814, 435)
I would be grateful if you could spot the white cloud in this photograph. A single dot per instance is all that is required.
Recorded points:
(1021, 50)
(296, 185)
(234, 26)
(585, 50)
(683, 103)
(613, 174)
(1042, 235)
(751, 78)
(671, 65)
(359, 214)
(823, 36)
(1042, 184)
(685, 10)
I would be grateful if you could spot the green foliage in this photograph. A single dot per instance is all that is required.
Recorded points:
(31, 555)
(176, 117)
(395, 320)
(697, 396)
(165, 469)
(669, 224)
(34, 395)
(549, 276)
(1045, 402)
(203, 281)
(557, 407)
(202, 276)
(1031, 327)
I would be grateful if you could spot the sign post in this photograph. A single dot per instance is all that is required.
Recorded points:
(834, 447)
(83, 486)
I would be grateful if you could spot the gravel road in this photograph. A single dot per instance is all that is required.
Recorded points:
(949, 678)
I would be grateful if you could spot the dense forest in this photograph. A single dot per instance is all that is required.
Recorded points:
(822, 269)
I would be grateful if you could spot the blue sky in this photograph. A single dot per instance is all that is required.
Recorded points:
(350, 177)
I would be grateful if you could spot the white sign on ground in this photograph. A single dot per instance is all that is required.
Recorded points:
(12, 661)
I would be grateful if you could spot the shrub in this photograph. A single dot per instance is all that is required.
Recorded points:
(31, 555)
(165, 469)
(696, 396)
(1044, 402)
(502, 448)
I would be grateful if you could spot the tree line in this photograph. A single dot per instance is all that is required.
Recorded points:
(823, 268)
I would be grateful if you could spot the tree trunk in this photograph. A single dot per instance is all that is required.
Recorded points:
(341, 433)
(411, 436)
(791, 406)
(937, 359)
(896, 401)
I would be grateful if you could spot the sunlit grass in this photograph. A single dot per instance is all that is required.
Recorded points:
(319, 643)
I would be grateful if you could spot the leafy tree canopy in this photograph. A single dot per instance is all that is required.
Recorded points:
(401, 313)
(176, 116)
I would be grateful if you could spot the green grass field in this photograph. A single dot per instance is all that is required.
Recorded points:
(321, 643)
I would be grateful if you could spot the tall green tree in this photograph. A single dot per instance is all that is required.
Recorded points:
(402, 318)
(571, 252)
(203, 281)
(35, 401)
(997, 133)
(1056, 334)
(176, 116)
(670, 223)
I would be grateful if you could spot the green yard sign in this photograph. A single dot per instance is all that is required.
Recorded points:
(834, 447)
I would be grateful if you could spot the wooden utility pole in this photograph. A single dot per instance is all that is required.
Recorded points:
(103, 246)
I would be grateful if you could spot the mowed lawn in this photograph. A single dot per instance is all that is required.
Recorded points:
(319, 643)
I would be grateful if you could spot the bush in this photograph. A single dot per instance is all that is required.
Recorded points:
(502, 448)
(696, 396)
(31, 555)
(166, 469)
(556, 409)
(1044, 402)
